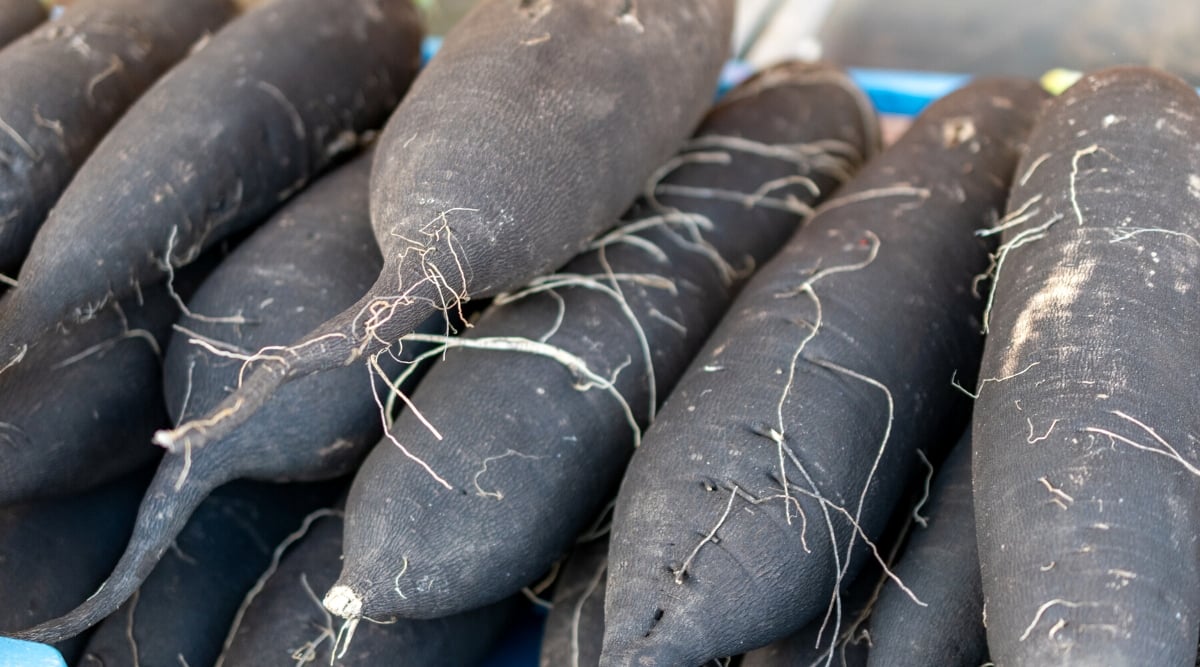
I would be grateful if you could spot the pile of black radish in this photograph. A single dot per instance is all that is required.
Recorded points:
(746, 387)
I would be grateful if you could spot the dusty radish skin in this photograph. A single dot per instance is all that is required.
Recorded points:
(283, 622)
(1085, 429)
(315, 256)
(80, 409)
(832, 366)
(64, 86)
(18, 17)
(213, 147)
(940, 564)
(505, 486)
(529, 133)
(815, 646)
(181, 613)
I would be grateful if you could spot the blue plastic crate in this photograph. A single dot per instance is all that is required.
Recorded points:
(14, 653)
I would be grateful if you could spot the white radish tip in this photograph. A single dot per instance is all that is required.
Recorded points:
(165, 439)
(341, 601)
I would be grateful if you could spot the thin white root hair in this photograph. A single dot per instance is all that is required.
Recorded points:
(693, 224)
(669, 167)
(169, 440)
(16, 359)
(612, 290)
(780, 432)
(640, 332)
(20, 141)
(852, 633)
(1125, 233)
(1167, 449)
(887, 434)
(1074, 175)
(6, 280)
(379, 311)
(483, 471)
(534, 599)
(791, 500)
(681, 573)
(671, 322)
(115, 65)
(790, 205)
(559, 280)
(832, 157)
(106, 345)
(1037, 617)
(1013, 219)
(547, 581)
(875, 193)
(872, 254)
(558, 318)
(169, 267)
(344, 636)
(975, 395)
(187, 466)
(1026, 237)
(577, 612)
(858, 531)
(133, 647)
(396, 580)
(601, 526)
(393, 393)
(187, 391)
(1057, 495)
(219, 347)
(387, 433)
(307, 652)
(261, 583)
(923, 521)
(1033, 167)
(586, 378)
(1032, 439)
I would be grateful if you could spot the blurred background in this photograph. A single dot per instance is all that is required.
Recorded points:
(1023, 37)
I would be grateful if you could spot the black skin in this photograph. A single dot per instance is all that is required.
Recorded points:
(513, 150)
(1096, 323)
(68, 82)
(55, 552)
(67, 428)
(186, 606)
(940, 564)
(530, 458)
(905, 319)
(810, 646)
(18, 17)
(315, 256)
(575, 626)
(213, 147)
(285, 617)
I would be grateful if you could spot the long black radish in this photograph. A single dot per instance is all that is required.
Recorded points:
(786, 444)
(315, 256)
(528, 134)
(525, 454)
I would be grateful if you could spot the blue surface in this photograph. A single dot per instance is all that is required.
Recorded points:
(15, 653)
(904, 92)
